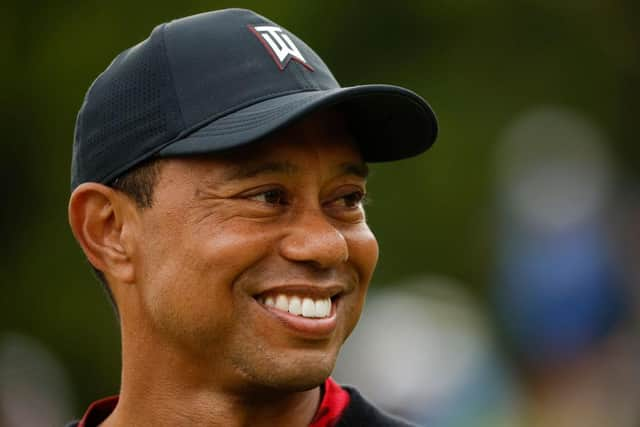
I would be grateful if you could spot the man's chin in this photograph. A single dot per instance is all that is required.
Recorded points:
(302, 383)
(300, 378)
(297, 376)
(292, 368)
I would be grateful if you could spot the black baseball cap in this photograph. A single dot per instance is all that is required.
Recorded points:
(222, 79)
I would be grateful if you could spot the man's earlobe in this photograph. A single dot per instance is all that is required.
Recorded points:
(98, 218)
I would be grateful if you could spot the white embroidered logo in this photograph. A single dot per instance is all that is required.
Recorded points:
(279, 45)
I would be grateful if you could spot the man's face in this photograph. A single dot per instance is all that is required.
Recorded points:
(235, 241)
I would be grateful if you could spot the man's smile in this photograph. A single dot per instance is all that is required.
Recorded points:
(309, 311)
(305, 307)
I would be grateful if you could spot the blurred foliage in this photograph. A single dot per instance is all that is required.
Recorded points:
(479, 63)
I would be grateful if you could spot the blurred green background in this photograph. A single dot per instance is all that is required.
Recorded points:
(479, 64)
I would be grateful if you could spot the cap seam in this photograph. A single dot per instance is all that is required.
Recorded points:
(170, 73)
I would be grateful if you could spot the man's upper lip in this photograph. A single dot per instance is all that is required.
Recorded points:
(304, 290)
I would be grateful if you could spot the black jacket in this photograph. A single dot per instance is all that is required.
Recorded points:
(362, 413)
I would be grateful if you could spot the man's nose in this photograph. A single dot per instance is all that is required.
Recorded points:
(314, 239)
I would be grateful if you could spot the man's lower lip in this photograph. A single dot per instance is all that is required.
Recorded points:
(311, 327)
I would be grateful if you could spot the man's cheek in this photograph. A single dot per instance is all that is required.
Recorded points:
(363, 251)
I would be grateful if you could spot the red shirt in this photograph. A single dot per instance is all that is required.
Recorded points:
(334, 401)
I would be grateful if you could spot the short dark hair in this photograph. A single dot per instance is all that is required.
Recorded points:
(138, 184)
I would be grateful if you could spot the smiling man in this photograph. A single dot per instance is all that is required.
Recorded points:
(218, 179)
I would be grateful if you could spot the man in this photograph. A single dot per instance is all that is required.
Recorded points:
(218, 177)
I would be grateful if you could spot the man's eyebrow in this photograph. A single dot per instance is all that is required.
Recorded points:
(358, 169)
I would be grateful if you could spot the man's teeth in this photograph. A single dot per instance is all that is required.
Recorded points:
(305, 307)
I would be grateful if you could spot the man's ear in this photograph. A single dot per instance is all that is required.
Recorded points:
(102, 220)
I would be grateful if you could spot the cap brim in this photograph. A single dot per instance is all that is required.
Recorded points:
(389, 122)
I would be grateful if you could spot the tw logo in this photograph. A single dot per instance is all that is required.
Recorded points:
(279, 45)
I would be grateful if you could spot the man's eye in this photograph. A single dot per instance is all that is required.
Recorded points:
(271, 197)
(352, 200)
